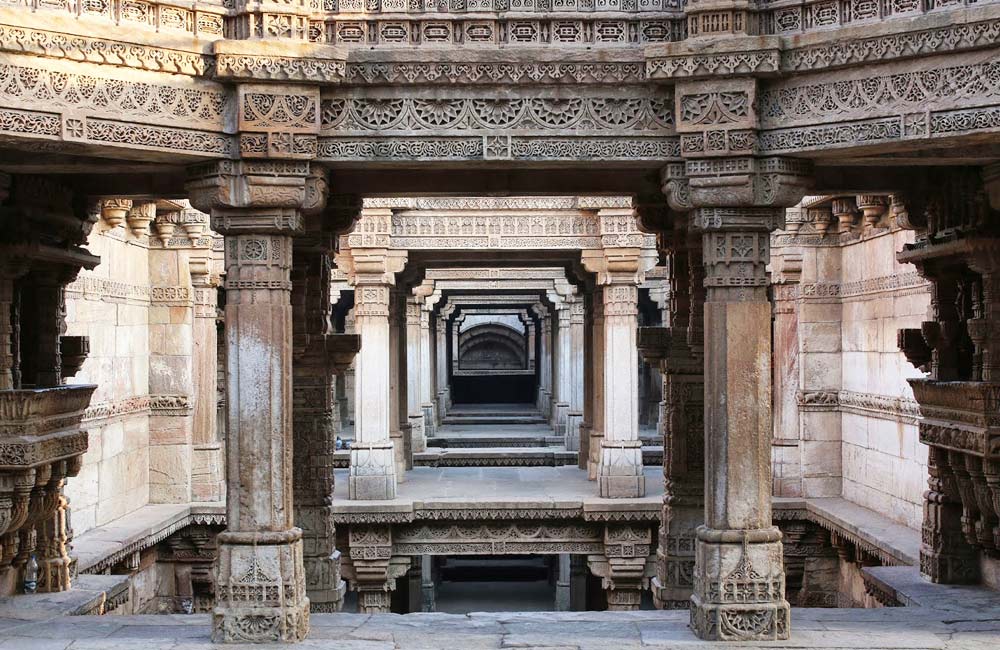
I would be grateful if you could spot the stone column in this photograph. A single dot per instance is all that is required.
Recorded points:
(456, 329)
(428, 405)
(620, 472)
(414, 376)
(171, 364)
(575, 363)
(560, 366)
(739, 578)
(259, 576)
(316, 418)
(597, 383)
(398, 415)
(545, 362)
(208, 478)
(676, 349)
(587, 423)
(373, 466)
(443, 390)
(9, 271)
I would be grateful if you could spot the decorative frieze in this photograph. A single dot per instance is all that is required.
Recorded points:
(137, 405)
(886, 407)
(94, 288)
(495, 73)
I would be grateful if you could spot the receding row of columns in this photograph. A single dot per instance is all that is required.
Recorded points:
(738, 581)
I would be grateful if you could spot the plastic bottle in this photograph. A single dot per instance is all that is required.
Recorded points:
(31, 575)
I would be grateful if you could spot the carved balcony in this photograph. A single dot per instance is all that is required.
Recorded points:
(961, 425)
(42, 425)
(961, 416)
(41, 443)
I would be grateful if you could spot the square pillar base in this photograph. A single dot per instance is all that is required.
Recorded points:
(430, 419)
(573, 422)
(739, 586)
(619, 474)
(372, 472)
(260, 588)
(559, 411)
(418, 434)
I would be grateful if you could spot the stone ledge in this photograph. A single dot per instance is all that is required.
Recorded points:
(102, 547)
(89, 595)
(909, 588)
(893, 543)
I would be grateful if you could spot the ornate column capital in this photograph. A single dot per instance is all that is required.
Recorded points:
(257, 195)
(736, 182)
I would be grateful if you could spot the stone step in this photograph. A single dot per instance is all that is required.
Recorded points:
(487, 418)
(477, 441)
(513, 457)
(538, 456)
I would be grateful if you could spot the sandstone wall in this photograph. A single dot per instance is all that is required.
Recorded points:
(844, 417)
(111, 306)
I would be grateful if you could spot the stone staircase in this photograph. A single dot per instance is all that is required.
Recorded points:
(500, 435)
(503, 435)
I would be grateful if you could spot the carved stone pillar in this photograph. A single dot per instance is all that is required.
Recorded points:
(260, 579)
(372, 271)
(443, 389)
(9, 271)
(597, 383)
(208, 478)
(428, 405)
(676, 349)
(574, 414)
(957, 249)
(172, 361)
(398, 417)
(373, 569)
(545, 364)
(739, 578)
(414, 377)
(620, 473)
(587, 421)
(319, 356)
(560, 367)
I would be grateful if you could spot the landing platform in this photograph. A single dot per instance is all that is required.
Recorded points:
(976, 627)
(507, 492)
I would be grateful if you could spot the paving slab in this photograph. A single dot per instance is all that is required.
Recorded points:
(898, 628)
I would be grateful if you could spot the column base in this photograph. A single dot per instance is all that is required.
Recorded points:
(260, 588)
(573, 422)
(418, 434)
(620, 472)
(372, 472)
(594, 457)
(739, 586)
(559, 412)
(324, 585)
(442, 406)
(430, 419)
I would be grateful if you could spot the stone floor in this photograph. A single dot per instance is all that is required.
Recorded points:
(970, 628)
(544, 485)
